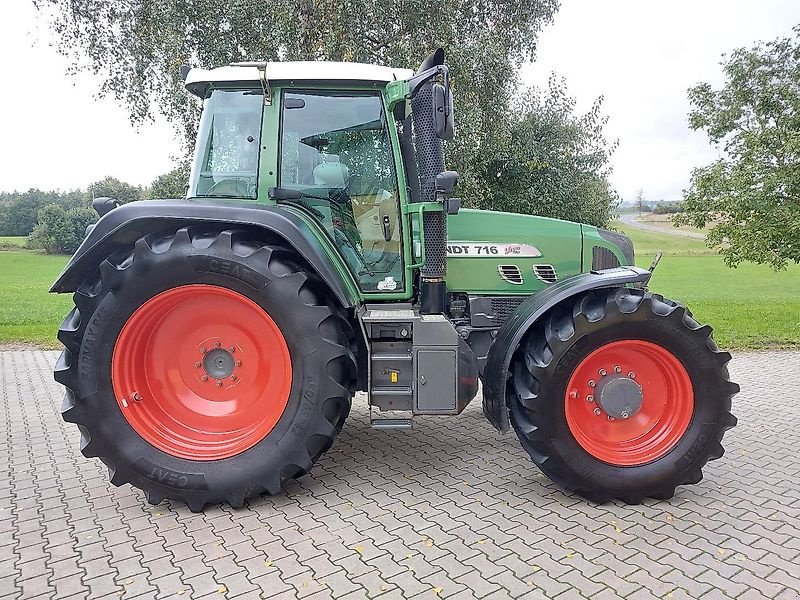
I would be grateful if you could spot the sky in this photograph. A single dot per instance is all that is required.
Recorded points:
(641, 56)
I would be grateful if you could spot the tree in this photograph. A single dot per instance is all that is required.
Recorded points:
(171, 184)
(751, 194)
(640, 200)
(112, 187)
(137, 47)
(18, 210)
(61, 231)
(550, 161)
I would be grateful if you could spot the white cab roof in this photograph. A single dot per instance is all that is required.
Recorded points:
(198, 79)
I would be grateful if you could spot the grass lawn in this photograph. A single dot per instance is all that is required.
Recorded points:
(749, 307)
(28, 314)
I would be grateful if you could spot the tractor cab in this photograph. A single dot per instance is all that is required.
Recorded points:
(331, 141)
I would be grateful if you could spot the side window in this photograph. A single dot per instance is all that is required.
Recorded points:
(226, 159)
(335, 149)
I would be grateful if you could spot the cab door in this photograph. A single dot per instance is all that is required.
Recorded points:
(336, 149)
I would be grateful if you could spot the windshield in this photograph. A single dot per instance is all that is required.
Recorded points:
(226, 156)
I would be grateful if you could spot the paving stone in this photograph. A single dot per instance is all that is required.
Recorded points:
(497, 527)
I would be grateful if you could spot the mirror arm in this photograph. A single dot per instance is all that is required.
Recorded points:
(420, 79)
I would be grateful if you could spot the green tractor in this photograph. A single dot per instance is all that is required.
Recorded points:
(217, 340)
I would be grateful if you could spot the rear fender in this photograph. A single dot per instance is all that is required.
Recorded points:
(124, 225)
(522, 319)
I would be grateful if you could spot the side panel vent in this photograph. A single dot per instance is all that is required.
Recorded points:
(503, 306)
(546, 273)
(603, 258)
(510, 273)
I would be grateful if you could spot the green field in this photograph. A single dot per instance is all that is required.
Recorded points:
(8, 242)
(28, 314)
(749, 307)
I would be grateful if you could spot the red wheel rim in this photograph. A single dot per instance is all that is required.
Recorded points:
(201, 372)
(649, 432)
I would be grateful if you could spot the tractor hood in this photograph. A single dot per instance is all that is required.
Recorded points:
(497, 253)
(503, 253)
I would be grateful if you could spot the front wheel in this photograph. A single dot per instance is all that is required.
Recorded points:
(621, 394)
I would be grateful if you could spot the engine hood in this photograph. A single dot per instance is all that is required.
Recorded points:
(504, 253)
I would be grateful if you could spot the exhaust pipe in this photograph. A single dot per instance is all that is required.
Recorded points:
(430, 162)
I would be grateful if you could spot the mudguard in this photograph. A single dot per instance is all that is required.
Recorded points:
(526, 314)
(124, 225)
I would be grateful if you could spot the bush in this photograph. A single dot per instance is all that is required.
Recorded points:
(667, 208)
(61, 231)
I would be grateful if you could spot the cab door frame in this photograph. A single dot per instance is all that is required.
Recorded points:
(269, 169)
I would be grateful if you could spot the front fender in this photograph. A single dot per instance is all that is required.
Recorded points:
(526, 314)
(124, 225)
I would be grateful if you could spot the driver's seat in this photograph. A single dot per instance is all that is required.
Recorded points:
(331, 174)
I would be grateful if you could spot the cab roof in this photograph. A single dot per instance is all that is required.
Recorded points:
(199, 80)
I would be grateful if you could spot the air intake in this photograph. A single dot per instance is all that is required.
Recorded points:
(503, 306)
(430, 161)
(511, 274)
(546, 273)
(603, 258)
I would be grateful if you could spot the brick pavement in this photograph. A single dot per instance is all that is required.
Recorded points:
(450, 509)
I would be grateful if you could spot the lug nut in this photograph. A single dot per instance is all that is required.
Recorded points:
(232, 349)
(592, 383)
(233, 377)
(203, 350)
(197, 364)
(238, 363)
(219, 383)
(610, 418)
(632, 375)
(597, 411)
(217, 344)
(603, 373)
(617, 369)
(625, 414)
(590, 398)
(136, 397)
(204, 378)
(573, 394)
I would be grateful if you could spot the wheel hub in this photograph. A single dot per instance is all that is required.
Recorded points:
(629, 402)
(620, 397)
(218, 363)
(201, 372)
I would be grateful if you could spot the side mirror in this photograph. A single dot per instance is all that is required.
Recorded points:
(443, 111)
(446, 182)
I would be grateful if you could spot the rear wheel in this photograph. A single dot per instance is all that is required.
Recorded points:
(205, 367)
(621, 395)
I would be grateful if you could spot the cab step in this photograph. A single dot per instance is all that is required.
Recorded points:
(390, 423)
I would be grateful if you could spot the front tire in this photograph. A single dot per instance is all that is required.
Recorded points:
(621, 394)
(205, 367)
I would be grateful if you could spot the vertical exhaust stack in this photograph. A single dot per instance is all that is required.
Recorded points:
(430, 162)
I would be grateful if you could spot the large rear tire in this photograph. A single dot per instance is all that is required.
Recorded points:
(621, 394)
(205, 367)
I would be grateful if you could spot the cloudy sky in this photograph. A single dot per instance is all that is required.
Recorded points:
(641, 56)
